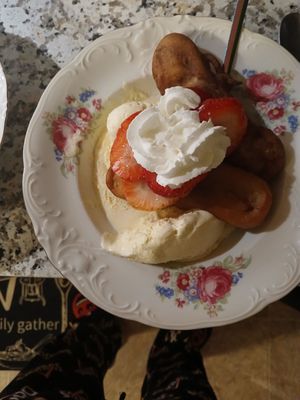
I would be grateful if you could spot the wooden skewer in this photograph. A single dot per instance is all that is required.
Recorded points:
(235, 33)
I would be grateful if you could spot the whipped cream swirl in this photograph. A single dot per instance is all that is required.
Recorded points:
(170, 140)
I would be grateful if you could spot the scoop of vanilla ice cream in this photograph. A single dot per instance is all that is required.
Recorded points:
(154, 240)
(147, 236)
(123, 111)
(120, 113)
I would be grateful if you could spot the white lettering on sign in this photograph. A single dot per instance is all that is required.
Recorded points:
(6, 300)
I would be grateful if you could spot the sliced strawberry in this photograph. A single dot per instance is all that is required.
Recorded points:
(227, 112)
(140, 196)
(166, 191)
(115, 183)
(122, 160)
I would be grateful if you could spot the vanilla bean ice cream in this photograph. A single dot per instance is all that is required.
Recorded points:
(171, 234)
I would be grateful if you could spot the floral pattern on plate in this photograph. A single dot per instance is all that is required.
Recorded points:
(273, 93)
(208, 287)
(69, 125)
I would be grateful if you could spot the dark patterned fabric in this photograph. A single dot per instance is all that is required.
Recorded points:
(175, 369)
(73, 365)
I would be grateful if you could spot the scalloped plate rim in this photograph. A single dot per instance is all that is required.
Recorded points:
(26, 156)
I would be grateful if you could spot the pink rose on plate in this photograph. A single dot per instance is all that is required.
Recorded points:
(84, 114)
(265, 86)
(214, 283)
(70, 99)
(180, 303)
(66, 135)
(165, 276)
(97, 103)
(183, 281)
(280, 130)
(276, 113)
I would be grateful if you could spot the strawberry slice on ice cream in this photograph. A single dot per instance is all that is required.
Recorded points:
(140, 196)
(166, 191)
(122, 160)
(227, 112)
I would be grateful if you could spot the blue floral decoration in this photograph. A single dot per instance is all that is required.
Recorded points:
(283, 100)
(58, 155)
(293, 122)
(192, 294)
(165, 292)
(236, 277)
(70, 112)
(84, 96)
(248, 72)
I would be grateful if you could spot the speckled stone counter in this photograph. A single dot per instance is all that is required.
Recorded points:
(37, 38)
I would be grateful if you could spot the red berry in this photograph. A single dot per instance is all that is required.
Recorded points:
(166, 191)
(227, 112)
(140, 196)
(122, 161)
(115, 183)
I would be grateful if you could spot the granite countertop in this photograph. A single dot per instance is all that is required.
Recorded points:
(37, 38)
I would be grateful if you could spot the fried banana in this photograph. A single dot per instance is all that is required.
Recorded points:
(260, 152)
(233, 195)
(177, 61)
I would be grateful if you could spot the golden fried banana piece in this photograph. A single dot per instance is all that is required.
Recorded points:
(260, 152)
(233, 195)
(177, 61)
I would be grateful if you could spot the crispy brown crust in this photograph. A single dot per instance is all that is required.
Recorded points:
(177, 61)
(233, 195)
(261, 152)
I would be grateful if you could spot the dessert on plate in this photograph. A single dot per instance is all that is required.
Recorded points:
(176, 174)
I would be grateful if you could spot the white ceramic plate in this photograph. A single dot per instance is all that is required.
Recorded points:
(3, 101)
(248, 272)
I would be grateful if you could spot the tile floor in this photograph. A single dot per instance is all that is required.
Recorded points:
(258, 358)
